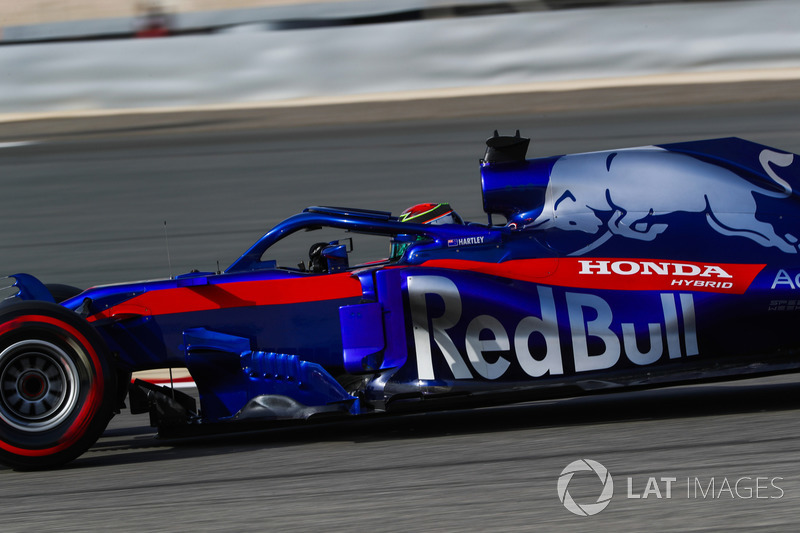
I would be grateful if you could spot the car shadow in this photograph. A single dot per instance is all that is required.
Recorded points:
(139, 443)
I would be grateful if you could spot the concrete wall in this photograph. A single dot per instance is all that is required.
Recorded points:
(270, 66)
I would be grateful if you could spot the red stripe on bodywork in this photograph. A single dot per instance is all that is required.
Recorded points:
(165, 381)
(236, 294)
(617, 273)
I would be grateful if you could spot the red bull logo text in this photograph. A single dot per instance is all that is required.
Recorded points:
(589, 317)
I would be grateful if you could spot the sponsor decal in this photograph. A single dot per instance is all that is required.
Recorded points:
(638, 274)
(466, 241)
(589, 317)
(619, 274)
(784, 305)
(583, 185)
(783, 280)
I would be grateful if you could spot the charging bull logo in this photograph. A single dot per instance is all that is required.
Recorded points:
(581, 186)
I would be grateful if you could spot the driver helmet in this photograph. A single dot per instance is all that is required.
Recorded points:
(422, 214)
(430, 214)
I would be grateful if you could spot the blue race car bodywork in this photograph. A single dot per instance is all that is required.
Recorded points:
(615, 269)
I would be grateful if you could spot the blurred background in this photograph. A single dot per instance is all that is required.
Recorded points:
(36, 12)
(221, 118)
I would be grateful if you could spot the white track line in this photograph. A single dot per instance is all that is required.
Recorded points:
(14, 144)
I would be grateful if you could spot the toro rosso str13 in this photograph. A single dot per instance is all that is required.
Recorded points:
(598, 271)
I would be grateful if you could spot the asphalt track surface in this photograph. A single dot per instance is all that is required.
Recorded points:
(89, 207)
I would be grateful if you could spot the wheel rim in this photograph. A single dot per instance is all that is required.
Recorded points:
(38, 385)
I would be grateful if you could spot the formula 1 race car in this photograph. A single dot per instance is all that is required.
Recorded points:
(609, 270)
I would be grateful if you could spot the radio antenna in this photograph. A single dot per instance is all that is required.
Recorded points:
(169, 260)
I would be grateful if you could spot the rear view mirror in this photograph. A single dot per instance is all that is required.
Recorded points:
(336, 256)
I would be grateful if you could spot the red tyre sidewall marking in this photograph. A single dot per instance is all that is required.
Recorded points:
(93, 397)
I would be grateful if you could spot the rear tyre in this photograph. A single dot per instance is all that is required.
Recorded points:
(57, 386)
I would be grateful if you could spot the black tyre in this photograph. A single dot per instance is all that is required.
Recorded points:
(62, 292)
(57, 385)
